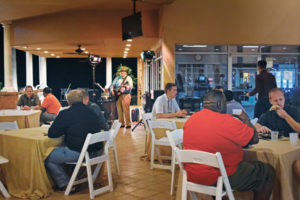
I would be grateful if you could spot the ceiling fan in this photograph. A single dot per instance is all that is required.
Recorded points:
(78, 51)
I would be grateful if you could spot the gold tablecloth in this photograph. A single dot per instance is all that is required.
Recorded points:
(159, 133)
(26, 149)
(281, 155)
(24, 118)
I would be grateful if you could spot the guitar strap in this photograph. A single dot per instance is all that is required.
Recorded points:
(123, 82)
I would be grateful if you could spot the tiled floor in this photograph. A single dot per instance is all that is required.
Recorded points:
(137, 181)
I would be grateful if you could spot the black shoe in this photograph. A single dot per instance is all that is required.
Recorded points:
(122, 126)
(129, 126)
(73, 190)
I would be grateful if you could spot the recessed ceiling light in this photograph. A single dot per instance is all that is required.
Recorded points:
(194, 46)
(86, 52)
(83, 49)
(127, 49)
(250, 46)
(57, 56)
(46, 52)
(128, 45)
(25, 47)
(38, 48)
(284, 48)
(129, 40)
(52, 54)
(217, 49)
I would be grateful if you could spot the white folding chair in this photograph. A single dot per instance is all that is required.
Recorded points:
(175, 138)
(204, 158)
(114, 130)
(145, 117)
(84, 160)
(9, 125)
(2, 188)
(160, 142)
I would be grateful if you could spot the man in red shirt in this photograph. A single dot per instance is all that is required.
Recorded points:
(50, 106)
(212, 130)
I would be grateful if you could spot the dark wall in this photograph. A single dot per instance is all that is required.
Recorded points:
(77, 71)
(35, 69)
(21, 68)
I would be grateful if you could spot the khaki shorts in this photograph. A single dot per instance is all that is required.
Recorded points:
(250, 176)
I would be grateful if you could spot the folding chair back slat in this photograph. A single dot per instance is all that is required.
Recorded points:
(199, 157)
(163, 124)
(98, 137)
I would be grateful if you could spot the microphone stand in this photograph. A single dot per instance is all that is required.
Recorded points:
(94, 80)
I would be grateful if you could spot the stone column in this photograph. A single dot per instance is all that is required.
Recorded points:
(8, 72)
(108, 72)
(42, 72)
(29, 69)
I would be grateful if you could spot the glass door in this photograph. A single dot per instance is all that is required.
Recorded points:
(244, 70)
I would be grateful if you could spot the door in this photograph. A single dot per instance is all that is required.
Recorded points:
(244, 70)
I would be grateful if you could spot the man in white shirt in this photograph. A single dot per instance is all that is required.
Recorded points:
(165, 106)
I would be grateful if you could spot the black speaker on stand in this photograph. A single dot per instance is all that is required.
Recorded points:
(148, 57)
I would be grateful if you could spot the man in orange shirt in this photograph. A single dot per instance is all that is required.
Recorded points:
(212, 130)
(50, 106)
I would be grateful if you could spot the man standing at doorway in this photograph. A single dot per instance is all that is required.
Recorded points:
(264, 82)
(121, 89)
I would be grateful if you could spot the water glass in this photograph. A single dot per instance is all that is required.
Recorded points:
(274, 135)
(294, 139)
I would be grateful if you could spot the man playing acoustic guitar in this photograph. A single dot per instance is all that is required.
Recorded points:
(121, 88)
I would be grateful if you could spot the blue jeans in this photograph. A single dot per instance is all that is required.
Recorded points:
(55, 161)
(47, 117)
